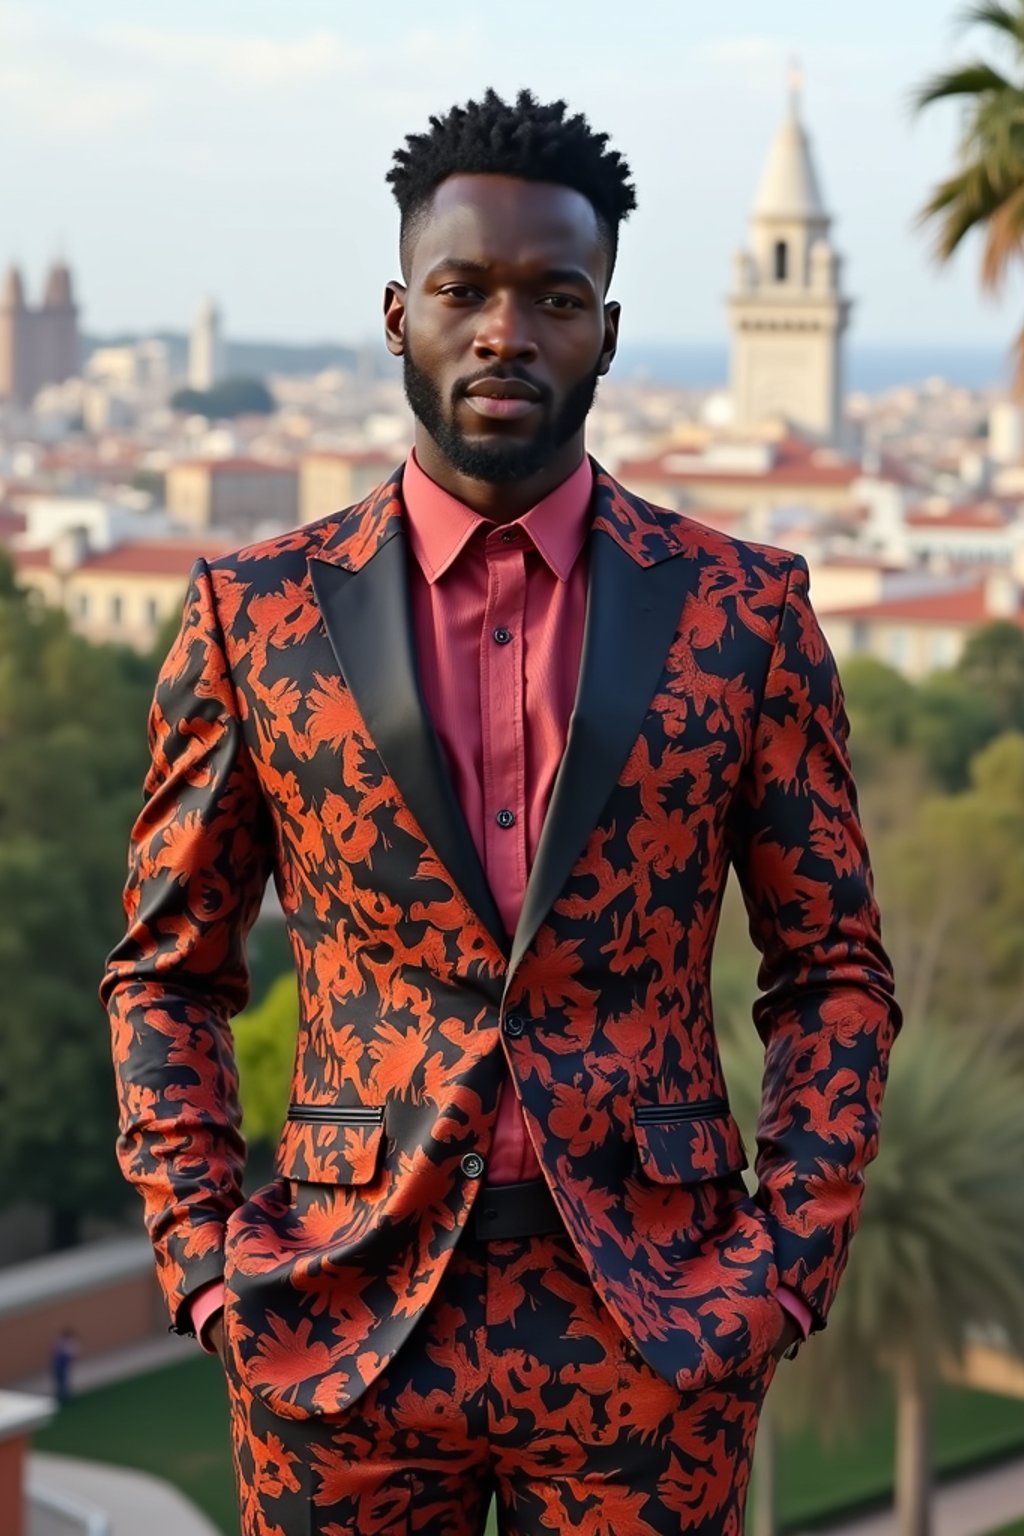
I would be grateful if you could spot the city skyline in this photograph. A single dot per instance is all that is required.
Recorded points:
(179, 158)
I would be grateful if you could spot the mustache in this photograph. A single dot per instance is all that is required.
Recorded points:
(501, 376)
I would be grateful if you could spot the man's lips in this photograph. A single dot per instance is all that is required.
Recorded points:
(502, 399)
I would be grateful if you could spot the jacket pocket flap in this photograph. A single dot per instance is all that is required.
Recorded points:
(330, 1145)
(688, 1145)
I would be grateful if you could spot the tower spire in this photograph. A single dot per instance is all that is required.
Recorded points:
(788, 308)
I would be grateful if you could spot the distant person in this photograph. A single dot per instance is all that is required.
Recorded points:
(497, 733)
(63, 1357)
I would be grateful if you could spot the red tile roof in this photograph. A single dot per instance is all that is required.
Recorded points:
(366, 456)
(144, 557)
(963, 605)
(11, 523)
(794, 463)
(234, 466)
(976, 517)
(31, 559)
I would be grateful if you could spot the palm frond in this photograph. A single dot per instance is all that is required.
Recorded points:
(941, 1244)
(958, 204)
(969, 80)
(1009, 20)
(1004, 240)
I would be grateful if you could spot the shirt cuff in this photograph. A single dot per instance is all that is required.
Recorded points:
(795, 1306)
(203, 1306)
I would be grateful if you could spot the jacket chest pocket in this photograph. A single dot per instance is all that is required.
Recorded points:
(686, 1143)
(331, 1143)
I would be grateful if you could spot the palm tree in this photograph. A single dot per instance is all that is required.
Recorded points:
(940, 1249)
(987, 190)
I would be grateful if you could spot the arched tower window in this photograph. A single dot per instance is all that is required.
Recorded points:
(781, 261)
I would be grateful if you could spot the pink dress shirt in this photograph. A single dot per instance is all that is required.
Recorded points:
(498, 613)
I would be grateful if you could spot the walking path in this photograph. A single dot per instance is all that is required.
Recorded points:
(118, 1365)
(133, 1502)
(974, 1505)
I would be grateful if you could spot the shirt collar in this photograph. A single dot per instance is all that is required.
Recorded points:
(440, 526)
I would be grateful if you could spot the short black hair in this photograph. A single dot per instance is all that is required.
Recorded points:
(530, 139)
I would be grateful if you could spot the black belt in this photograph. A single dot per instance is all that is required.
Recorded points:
(514, 1210)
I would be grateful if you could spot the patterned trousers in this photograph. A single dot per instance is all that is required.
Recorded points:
(515, 1382)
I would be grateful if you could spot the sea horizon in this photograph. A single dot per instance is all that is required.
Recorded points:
(871, 367)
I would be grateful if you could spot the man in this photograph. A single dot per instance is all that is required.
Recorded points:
(497, 734)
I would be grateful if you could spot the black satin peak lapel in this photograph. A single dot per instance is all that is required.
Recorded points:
(368, 620)
(631, 619)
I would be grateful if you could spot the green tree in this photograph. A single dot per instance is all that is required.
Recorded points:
(951, 883)
(952, 721)
(992, 665)
(72, 757)
(879, 701)
(232, 397)
(265, 1053)
(898, 728)
(986, 191)
(939, 1251)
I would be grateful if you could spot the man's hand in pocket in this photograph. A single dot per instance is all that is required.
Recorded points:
(789, 1335)
(215, 1335)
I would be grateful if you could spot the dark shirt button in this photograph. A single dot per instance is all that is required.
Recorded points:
(506, 818)
(472, 1165)
(503, 636)
(508, 537)
(514, 1025)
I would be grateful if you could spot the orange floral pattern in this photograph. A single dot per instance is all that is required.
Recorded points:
(529, 1388)
(264, 765)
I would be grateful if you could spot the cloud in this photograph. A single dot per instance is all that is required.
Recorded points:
(244, 60)
(61, 107)
(44, 88)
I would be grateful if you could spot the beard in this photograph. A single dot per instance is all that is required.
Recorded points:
(497, 463)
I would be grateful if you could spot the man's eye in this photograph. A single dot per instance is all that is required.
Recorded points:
(561, 301)
(458, 291)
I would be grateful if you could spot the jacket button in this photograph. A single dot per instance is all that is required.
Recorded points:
(514, 1025)
(472, 1165)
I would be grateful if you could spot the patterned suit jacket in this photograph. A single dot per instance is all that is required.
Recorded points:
(289, 740)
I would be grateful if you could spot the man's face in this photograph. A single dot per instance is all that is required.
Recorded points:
(503, 328)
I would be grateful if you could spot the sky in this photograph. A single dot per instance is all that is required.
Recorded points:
(240, 147)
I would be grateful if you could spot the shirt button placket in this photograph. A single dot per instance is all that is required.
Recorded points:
(502, 700)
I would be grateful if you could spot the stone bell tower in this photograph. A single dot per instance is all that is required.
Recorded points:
(787, 310)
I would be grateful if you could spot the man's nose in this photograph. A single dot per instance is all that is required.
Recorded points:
(504, 333)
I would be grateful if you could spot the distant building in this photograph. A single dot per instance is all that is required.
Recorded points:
(37, 346)
(122, 594)
(328, 481)
(247, 496)
(745, 476)
(1006, 432)
(922, 631)
(206, 348)
(981, 534)
(105, 521)
(787, 310)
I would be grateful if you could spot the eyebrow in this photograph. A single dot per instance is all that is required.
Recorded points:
(470, 268)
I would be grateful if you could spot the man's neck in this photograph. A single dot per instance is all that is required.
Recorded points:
(500, 503)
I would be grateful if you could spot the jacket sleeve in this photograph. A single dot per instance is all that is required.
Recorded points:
(826, 1013)
(199, 858)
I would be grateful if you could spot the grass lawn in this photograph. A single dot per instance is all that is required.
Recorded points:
(173, 1423)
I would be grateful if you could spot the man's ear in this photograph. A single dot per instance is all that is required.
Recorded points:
(394, 318)
(612, 313)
